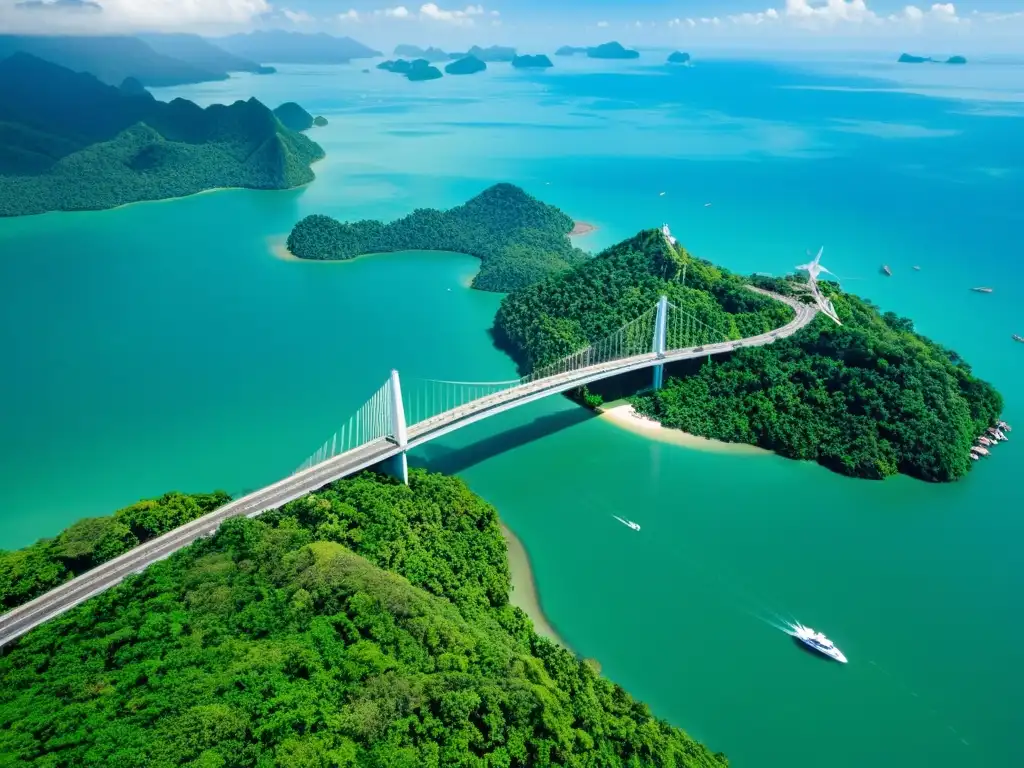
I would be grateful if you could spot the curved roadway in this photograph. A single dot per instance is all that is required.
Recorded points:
(20, 620)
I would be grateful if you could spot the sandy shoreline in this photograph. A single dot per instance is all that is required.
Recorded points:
(582, 228)
(621, 414)
(524, 591)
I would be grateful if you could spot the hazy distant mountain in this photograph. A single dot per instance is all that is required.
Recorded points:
(200, 52)
(111, 59)
(431, 54)
(282, 47)
(540, 61)
(69, 142)
(492, 53)
(570, 50)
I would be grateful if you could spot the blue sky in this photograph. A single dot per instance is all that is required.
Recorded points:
(967, 25)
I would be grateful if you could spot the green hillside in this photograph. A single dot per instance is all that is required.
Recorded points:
(870, 398)
(365, 625)
(518, 239)
(73, 143)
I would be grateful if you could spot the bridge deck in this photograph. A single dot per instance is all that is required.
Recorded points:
(20, 620)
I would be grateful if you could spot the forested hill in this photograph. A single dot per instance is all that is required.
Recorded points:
(870, 398)
(518, 239)
(547, 321)
(69, 142)
(365, 625)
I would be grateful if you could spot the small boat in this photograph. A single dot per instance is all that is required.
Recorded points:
(661, 194)
(627, 523)
(1018, 338)
(917, 269)
(886, 270)
(818, 642)
(707, 205)
(982, 451)
(984, 441)
(1002, 424)
(982, 290)
(975, 456)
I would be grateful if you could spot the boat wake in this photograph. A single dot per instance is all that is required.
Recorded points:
(627, 523)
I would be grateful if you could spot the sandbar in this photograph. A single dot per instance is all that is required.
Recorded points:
(582, 228)
(622, 414)
(524, 590)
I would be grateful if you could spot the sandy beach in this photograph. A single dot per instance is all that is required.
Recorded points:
(524, 592)
(582, 228)
(621, 413)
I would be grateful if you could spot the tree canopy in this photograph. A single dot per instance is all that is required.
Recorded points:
(870, 398)
(364, 625)
(518, 239)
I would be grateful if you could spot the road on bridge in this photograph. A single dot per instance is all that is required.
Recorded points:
(20, 620)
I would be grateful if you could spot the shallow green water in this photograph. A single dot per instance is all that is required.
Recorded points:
(162, 346)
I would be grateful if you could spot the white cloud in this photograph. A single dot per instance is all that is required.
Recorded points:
(120, 16)
(602, 24)
(435, 13)
(818, 14)
(296, 17)
(401, 12)
(350, 15)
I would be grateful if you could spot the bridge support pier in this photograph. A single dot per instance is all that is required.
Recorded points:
(660, 339)
(397, 466)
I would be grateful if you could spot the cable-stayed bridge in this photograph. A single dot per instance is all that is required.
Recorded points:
(395, 420)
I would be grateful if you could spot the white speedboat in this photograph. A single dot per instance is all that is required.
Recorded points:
(627, 523)
(818, 642)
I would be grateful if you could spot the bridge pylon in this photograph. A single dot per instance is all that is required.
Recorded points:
(659, 343)
(397, 466)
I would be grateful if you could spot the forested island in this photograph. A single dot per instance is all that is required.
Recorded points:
(539, 61)
(870, 398)
(420, 69)
(518, 239)
(612, 50)
(678, 57)
(70, 142)
(368, 624)
(469, 65)
(430, 53)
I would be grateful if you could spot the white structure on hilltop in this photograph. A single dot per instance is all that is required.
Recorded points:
(813, 270)
(668, 234)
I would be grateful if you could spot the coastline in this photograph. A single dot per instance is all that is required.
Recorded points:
(621, 414)
(580, 228)
(524, 590)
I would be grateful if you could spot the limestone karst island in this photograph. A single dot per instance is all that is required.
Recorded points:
(508, 386)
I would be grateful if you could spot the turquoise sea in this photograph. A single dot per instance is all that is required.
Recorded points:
(164, 346)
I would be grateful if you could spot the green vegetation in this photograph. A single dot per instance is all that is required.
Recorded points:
(364, 625)
(518, 239)
(27, 573)
(293, 117)
(319, 121)
(469, 65)
(539, 61)
(612, 50)
(69, 142)
(417, 70)
(870, 398)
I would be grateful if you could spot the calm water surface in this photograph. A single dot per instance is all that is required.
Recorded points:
(163, 346)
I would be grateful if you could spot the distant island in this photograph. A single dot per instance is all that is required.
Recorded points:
(532, 62)
(612, 50)
(569, 50)
(871, 398)
(468, 65)
(907, 58)
(518, 239)
(493, 53)
(431, 54)
(319, 121)
(295, 47)
(200, 52)
(678, 57)
(367, 624)
(417, 70)
(294, 117)
(73, 143)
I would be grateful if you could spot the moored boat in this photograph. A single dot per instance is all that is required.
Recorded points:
(980, 450)
(982, 290)
(1018, 338)
(886, 270)
(1002, 424)
(818, 642)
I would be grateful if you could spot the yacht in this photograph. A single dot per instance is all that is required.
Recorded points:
(818, 642)
(982, 290)
(1018, 338)
(917, 269)
(627, 523)
(886, 270)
